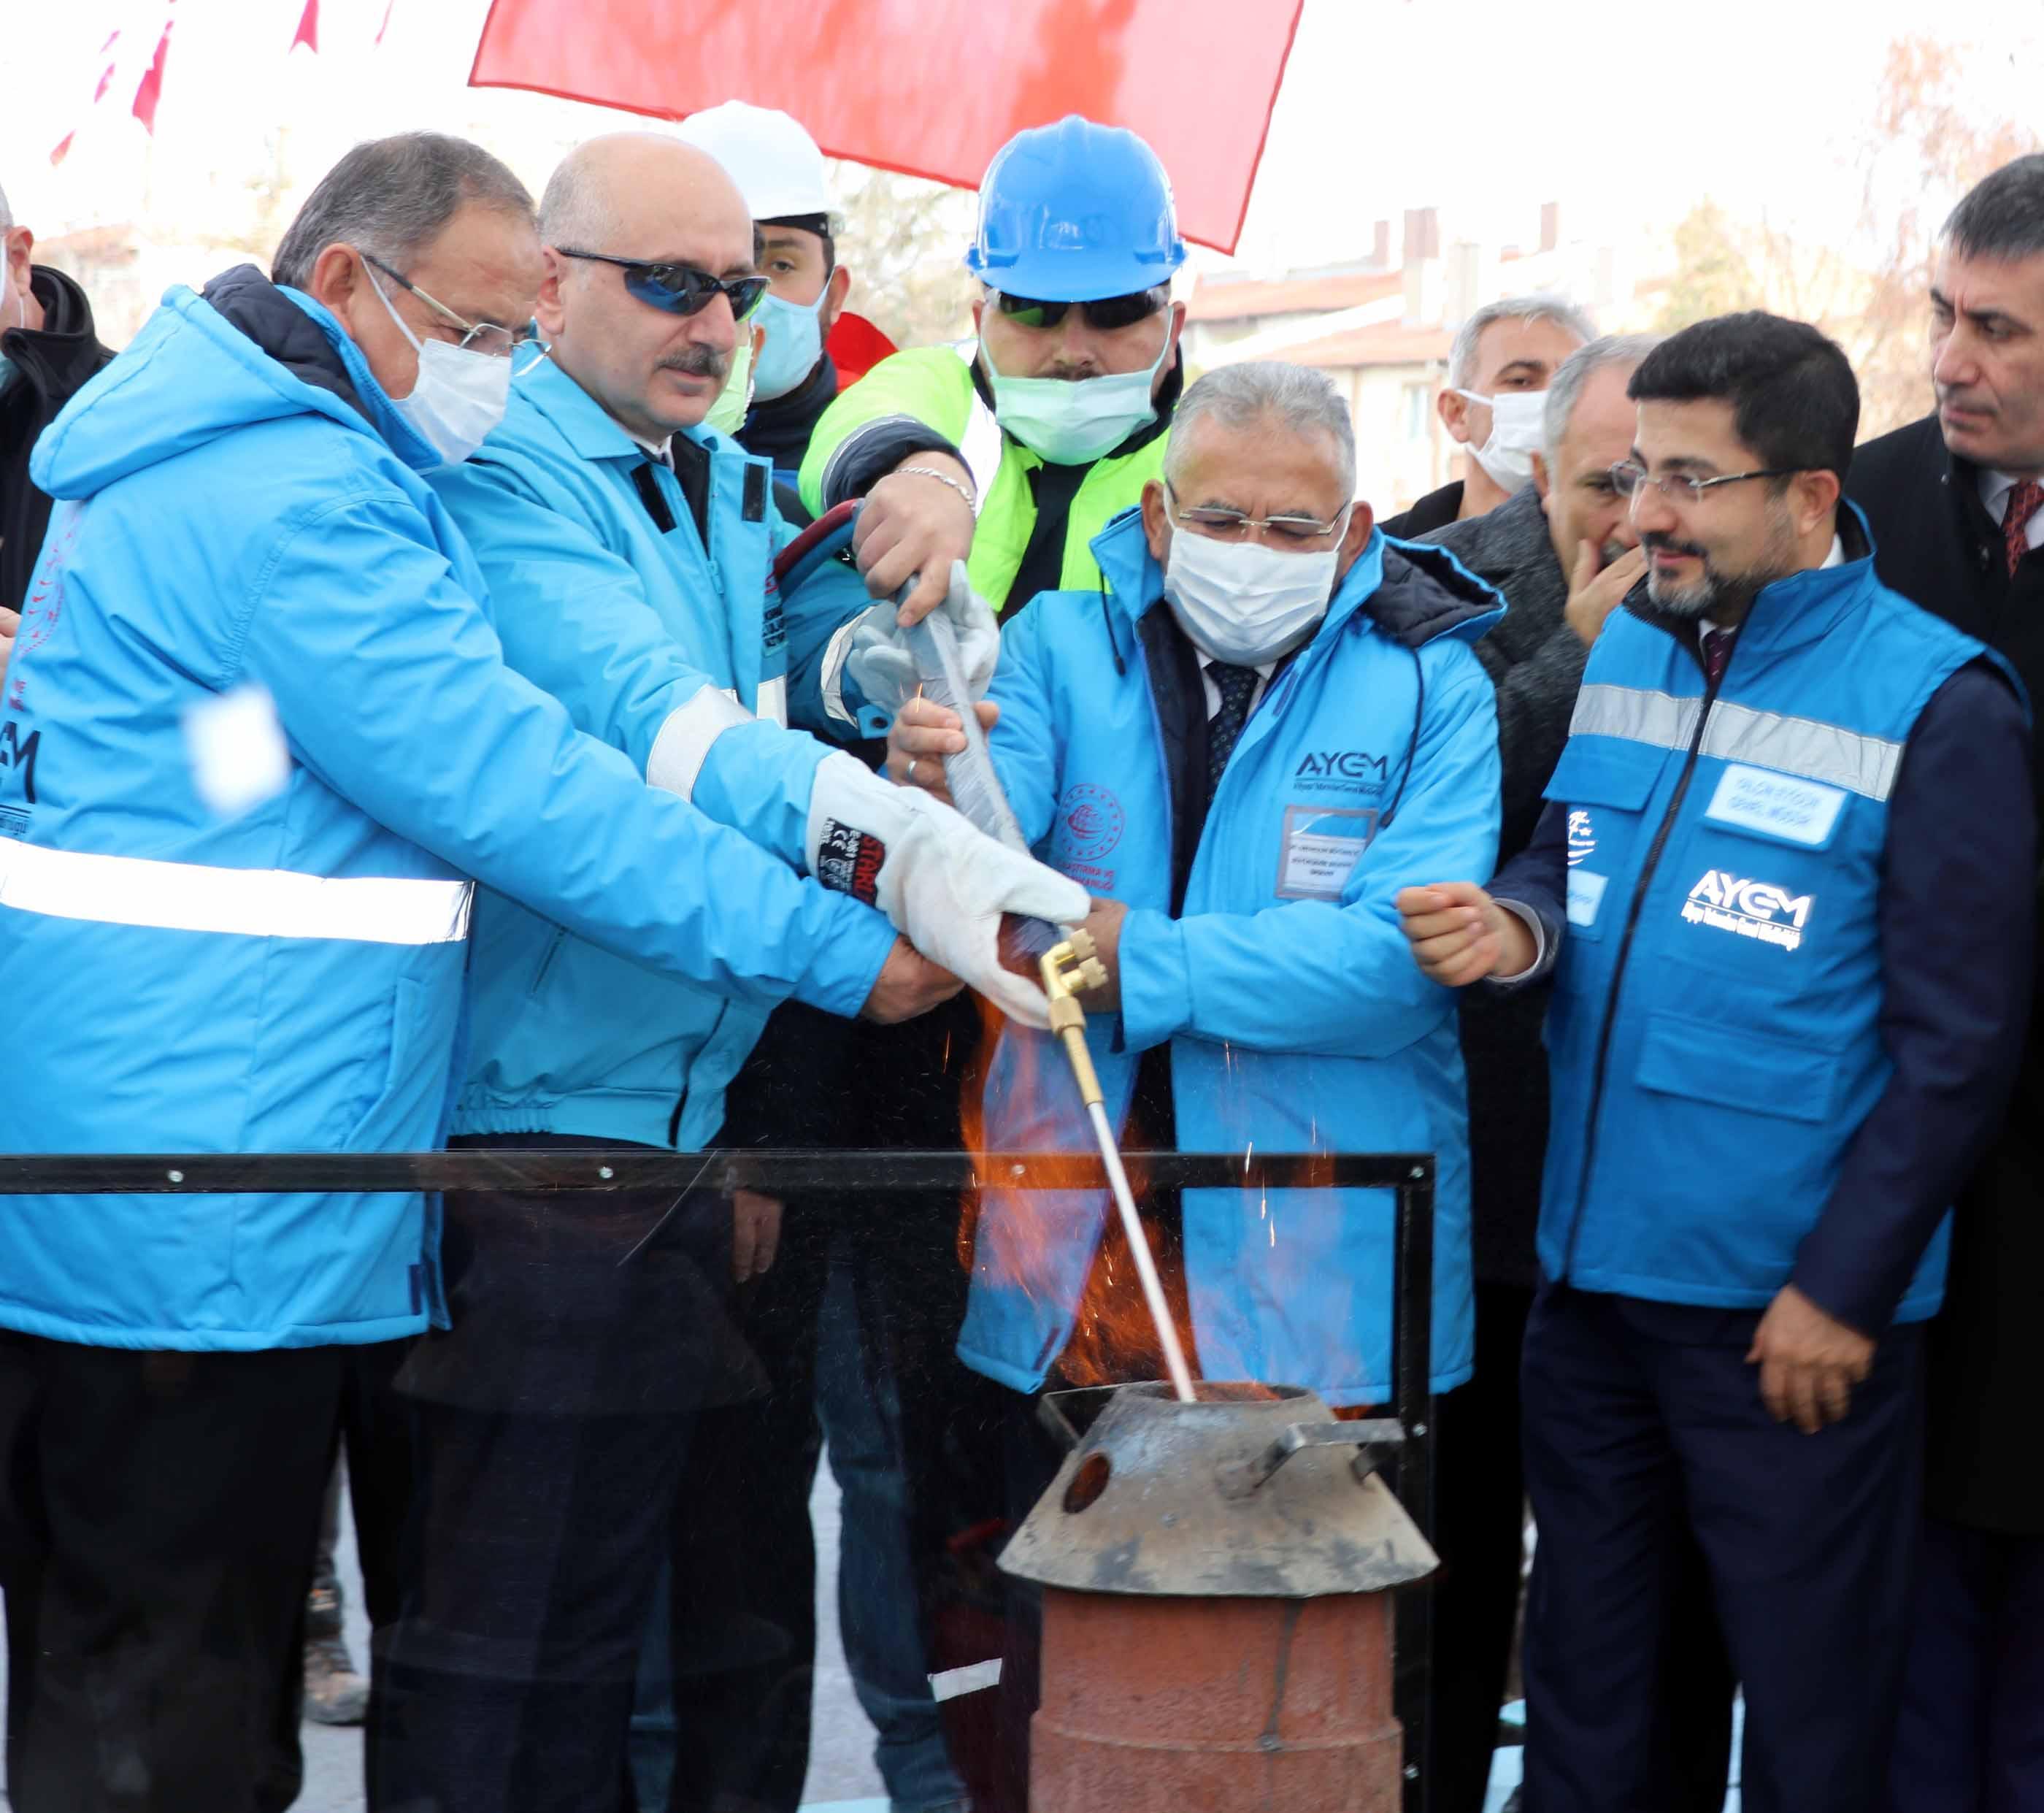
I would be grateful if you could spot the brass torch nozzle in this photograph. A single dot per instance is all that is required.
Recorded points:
(1069, 968)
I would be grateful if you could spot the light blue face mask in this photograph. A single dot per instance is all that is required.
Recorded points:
(794, 344)
(1074, 421)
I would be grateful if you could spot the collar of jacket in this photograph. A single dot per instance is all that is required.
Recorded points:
(780, 429)
(55, 358)
(302, 336)
(1412, 593)
(1793, 612)
(1167, 403)
(1509, 548)
(590, 429)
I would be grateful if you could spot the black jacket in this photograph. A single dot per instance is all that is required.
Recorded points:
(1435, 511)
(1535, 660)
(1935, 543)
(779, 428)
(52, 367)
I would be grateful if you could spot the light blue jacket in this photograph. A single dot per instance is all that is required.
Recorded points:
(607, 596)
(239, 506)
(1295, 1017)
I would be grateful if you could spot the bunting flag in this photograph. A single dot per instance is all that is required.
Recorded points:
(307, 31)
(150, 91)
(932, 87)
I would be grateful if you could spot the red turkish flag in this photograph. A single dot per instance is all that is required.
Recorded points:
(307, 31)
(151, 90)
(932, 87)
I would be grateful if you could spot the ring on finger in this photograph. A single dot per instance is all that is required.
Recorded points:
(910, 776)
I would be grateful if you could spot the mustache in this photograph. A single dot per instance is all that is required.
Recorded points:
(1668, 544)
(698, 362)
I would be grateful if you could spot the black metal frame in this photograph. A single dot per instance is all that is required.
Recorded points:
(1408, 1176)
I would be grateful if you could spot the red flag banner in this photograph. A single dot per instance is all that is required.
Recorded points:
(932, 87)
(151, 90)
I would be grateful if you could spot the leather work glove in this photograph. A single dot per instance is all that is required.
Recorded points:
(886, 672)
(944, 884)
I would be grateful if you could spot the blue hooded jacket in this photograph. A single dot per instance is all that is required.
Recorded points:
(239, 507)
(1296, 1016)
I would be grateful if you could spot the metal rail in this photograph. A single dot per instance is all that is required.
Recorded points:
(796, 1171)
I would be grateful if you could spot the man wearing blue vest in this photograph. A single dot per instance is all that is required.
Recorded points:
(1784, 891)
(1241, 743)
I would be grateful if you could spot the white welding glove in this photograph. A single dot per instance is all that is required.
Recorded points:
(879, 659)
(943, 882)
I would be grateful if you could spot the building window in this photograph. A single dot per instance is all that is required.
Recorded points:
(1418, 397)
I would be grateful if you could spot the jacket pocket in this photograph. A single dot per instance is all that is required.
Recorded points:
(406, 1115)
(1732, 1068)
(1605, 785)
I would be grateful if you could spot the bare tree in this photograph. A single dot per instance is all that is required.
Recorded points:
(1867, 285)
(905, 240)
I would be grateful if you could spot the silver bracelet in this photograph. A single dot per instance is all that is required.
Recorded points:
(971, 498)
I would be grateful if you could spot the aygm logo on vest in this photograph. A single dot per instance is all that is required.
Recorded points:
(1749, 909)
(1342, 770)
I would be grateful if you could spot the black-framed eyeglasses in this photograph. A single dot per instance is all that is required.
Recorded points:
(1238, 526)
(678, 289)
(1629, 479)
(520, 345)
(1103, 315)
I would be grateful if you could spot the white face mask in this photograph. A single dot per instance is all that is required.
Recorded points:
(460, 395)
(1515, 416)
(1074, 421)
(1243, 602)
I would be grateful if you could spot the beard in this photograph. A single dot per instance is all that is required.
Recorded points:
(1720, 591)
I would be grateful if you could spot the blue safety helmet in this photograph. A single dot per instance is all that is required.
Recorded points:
(1075, 212)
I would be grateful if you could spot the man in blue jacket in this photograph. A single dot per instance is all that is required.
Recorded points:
(1242, 744)
(262, 735)
(629, 555)
(1784, 887)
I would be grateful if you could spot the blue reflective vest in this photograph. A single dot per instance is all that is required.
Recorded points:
(1714, 1032)
(1295, 1017)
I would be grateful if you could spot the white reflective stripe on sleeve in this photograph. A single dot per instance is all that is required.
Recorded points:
(679, 752)
(254, 902)
(1805, 747)
(773, 700)
(836, 652)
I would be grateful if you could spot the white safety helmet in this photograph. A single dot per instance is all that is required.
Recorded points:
(768, 154)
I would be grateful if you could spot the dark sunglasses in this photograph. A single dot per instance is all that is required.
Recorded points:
(679, 289)
(1104, 316)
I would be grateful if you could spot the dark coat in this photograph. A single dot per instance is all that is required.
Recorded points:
(1435, 511)
(1536, 662)
(53, 365)
(1935, 543)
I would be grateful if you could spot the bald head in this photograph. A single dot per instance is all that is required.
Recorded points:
(635, 193)
(648, 199)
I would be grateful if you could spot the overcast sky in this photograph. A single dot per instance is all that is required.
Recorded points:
(1625, 114)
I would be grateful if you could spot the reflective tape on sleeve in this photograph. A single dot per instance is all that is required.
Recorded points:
(674, 763)
(251, 903)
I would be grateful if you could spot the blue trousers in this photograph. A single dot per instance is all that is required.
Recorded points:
(1971, 1738)
(1644, 1425)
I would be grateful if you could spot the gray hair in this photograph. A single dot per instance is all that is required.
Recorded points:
(1559, 310)
(6, 213)
(2002, 216)
(1565, 389)
(392, 197)
(1294, 397)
